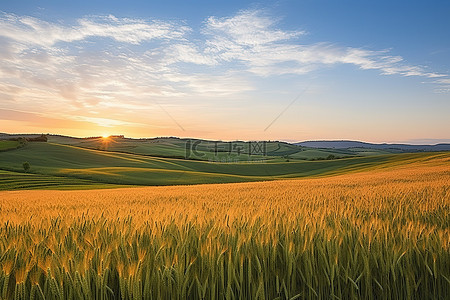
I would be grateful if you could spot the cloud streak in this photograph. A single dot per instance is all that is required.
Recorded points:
(55, 66)
(33, 31)
(252, 38)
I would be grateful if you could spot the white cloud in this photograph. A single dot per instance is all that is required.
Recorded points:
(188, 53)
(443, 85)
(32, 31)
(444, 81)
(251, 38)
(211, 85)
(248, 28)
(52, 67)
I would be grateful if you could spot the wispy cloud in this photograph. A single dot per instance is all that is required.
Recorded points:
(33, 31)
(55, 66)
(252, 38)
(249, 28)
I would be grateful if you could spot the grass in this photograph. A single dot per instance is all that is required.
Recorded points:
(165, 147)
(380, 234)
(8, 145)
(16, 180)
(103, 167)
(206, 150)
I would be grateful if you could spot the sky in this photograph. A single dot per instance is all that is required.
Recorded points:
(375, 71)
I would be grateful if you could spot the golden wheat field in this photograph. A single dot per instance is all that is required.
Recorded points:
(382, 234)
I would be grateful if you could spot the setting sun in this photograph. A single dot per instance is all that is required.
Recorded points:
(105, 135)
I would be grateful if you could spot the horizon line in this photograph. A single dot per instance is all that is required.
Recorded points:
(289, 141)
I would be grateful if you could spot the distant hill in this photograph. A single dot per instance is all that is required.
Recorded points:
(357, 144)
(98, 162)
(221, 151)
(56, 165)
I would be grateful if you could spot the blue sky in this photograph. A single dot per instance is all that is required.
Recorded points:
(372, 71)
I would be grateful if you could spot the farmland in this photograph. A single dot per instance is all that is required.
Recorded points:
(19, 180)
(99, 167)
(379, 233)
(8, 145)
(208, 150)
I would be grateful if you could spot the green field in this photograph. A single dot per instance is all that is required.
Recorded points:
(64, 165)
(16, 180)
(211, 150)
(176, 148)
(9, 145)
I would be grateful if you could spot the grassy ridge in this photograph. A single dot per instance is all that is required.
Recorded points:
(15, 180)
(206, 150)
(383, 234)
(177, 148)
(8, 145)
(119, 168)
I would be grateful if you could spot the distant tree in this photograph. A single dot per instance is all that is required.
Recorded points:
(331, 156)
(26, 166)
(41, 138)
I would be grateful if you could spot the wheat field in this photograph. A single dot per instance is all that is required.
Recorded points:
(382, 234)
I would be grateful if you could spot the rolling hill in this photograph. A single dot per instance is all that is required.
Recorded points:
(363, 145)
(206, 150)
(89, 167)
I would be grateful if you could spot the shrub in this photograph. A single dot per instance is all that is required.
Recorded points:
(26, 166)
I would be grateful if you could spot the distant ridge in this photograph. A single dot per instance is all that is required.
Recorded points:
(345, 144)
(320, 144)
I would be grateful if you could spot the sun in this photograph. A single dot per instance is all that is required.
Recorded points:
(105, 135)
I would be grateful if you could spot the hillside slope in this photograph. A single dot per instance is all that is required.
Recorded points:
(385, 146)
(103, 167)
